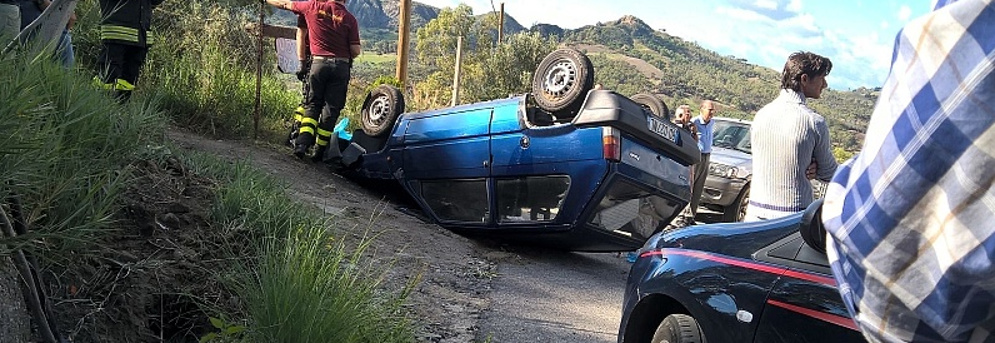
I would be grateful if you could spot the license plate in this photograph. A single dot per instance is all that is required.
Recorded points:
(659, 127)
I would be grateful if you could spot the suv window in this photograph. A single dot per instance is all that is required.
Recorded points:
(732, 135)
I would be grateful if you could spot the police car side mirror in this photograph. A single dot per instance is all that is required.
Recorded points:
(811, 228)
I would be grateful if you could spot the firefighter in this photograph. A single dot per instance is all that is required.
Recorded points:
(321, 133)
(333, 40)
(125, 33)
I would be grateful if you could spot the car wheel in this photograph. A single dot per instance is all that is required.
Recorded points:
(653, 104)
(380, 110)
(562, 80)
(678, 328)
(736, 211)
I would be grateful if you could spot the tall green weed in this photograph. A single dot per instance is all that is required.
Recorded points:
(65, 149)
(299, 280)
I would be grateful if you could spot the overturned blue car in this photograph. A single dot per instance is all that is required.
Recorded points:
(564, 166)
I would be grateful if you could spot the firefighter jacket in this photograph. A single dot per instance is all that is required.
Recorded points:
(127, 21)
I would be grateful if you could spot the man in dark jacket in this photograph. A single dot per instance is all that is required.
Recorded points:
(126, 37)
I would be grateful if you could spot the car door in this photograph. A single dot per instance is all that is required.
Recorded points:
(804, 305)
(446, 163)
(535, 169)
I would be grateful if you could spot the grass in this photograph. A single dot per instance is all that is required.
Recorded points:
(65, 151)
(376, 58)
(63, 144)
(304, 284)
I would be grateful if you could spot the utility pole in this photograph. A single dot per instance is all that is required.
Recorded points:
(403, 36)
(500, 25)
(459, 67)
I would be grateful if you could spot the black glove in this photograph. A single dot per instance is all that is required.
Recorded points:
(303, 72)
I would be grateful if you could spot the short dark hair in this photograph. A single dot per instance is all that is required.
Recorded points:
(803, 63)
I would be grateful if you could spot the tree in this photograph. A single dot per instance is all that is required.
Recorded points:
(489, 70)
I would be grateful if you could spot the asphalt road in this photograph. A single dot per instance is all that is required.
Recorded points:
(552, 296)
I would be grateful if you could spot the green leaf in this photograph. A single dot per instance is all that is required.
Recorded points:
(217, 323)
(208, 337)
(231, 330)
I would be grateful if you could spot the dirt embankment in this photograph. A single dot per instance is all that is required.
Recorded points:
(152, 280)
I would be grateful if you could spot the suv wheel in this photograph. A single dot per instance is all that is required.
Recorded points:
(736, 211)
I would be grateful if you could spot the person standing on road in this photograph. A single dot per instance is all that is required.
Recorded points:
(126, 35)
(701, 128)
(333, 40)
(683, 120)
(705, 128)
(304, 57)
(789, 141)
(909, 218)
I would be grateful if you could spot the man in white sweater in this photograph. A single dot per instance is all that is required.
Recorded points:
(790, 142)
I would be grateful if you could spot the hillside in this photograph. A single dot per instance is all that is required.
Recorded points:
(683, 72)
(631, 57)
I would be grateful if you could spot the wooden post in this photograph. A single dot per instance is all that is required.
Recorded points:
(403, 41)
(501, 25)
(259, 74)
(459, 66)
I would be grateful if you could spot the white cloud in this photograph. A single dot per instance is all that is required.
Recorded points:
(766, 4)
(794, 6)
(742, 14)
(904, 13)
(885, 25)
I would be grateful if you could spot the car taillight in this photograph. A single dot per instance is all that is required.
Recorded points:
(611, 144)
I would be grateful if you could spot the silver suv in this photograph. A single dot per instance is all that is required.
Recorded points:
(730, 169)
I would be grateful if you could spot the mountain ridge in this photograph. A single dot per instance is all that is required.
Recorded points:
(631, 56)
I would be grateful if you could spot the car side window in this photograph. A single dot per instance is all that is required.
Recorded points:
(793, 252)
(457, 200)
(531, 199)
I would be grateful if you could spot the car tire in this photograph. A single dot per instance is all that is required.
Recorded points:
(736, 211)
(380, 110)
(678, 328)
(562, 80)
(653, 104)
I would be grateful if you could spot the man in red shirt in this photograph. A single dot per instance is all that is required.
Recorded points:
(333, 39)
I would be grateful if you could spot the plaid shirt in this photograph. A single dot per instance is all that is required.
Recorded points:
(911, 219)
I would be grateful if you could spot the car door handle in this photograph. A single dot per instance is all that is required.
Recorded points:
(525, 142)
(487, 163)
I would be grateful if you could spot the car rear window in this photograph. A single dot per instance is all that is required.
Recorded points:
(629, 209)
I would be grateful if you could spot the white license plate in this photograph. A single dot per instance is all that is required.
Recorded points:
(659, 127)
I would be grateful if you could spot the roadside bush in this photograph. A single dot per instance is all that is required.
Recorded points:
(301, 282)
(203, 66)
(64, 151)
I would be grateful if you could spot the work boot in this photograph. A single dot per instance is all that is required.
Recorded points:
(319, 154)
(300, 150)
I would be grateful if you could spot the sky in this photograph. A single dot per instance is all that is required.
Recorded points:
(857, 35)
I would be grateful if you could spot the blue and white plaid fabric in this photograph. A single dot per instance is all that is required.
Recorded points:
(911, 219)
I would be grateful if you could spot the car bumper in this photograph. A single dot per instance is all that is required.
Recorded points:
(721, 191)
